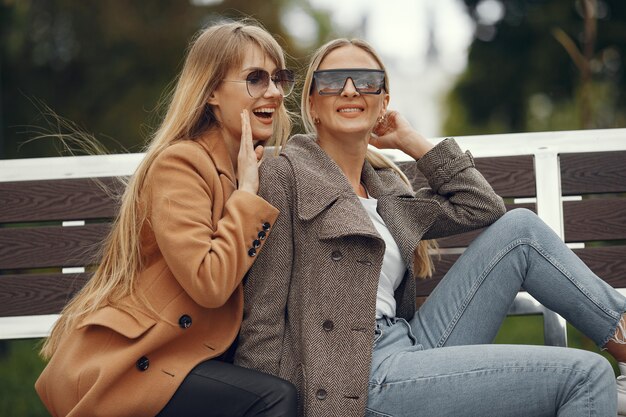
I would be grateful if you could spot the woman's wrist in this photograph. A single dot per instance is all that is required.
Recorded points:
(248, 189)
(416, 146)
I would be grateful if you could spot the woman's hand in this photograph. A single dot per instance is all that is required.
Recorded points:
(395, 132)
(248, 158)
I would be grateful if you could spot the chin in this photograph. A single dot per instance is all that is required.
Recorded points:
(259, 138)
(355, 129)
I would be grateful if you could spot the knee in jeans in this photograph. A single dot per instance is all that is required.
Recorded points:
(521, 215)
(520, 221)
(599, 368)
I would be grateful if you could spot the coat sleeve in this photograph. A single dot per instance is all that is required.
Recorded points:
(209, 259)
(466, 199)
(266, 286)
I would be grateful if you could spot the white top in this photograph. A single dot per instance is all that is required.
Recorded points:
(393, 268)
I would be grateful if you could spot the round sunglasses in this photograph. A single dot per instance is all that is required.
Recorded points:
(331, 82)
(258, 81)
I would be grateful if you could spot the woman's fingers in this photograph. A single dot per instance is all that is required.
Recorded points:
(247, 169)
(245, 146)
(259, 150)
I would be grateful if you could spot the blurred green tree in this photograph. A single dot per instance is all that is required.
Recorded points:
(104, 65)
(542, 65)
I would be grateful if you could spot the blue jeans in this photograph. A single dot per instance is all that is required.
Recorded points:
(440, 363)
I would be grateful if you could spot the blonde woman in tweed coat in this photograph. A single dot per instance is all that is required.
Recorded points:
(330, 303)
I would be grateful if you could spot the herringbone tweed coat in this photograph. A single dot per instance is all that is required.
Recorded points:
(309, 314)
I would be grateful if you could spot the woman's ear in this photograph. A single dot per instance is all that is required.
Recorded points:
(312, 110)
(213, 101)
(385, 104)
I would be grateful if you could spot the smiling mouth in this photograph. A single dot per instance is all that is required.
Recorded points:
(264, 112)
(350, 110)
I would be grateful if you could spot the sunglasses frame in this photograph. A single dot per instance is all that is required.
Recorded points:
(271, 78)
(316, 73)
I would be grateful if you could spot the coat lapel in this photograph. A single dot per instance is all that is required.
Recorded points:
(215, 146)
(323, 190)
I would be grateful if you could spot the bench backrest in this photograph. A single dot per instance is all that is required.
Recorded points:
(55, 212)
(594, 208)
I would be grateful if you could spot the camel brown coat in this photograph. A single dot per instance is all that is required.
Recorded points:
(128, 361)
(311, 296)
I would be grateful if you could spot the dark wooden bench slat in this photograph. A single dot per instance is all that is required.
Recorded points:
(607, 262)
(594, 219)
(53, 246)
(25, 295)
(464, 239)
(55, 200)
(510, 176)
(580, 173)
(443, 263)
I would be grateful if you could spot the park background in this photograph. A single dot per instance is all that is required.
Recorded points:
(457, 67)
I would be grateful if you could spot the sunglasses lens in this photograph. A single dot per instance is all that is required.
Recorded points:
(257, 82)
(369, 82)
(284, 80)
(330, 83)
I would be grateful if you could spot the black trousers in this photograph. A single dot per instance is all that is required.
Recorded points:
(221, 389)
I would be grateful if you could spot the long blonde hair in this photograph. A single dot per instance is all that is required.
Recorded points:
(423, 266)
(212, 53)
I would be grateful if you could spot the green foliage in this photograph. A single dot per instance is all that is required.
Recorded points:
(20, 366)
(105, 65)
(521, 61)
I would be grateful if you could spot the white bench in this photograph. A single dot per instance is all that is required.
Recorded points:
(52, 212)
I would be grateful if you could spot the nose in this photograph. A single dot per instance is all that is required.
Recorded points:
(349, 89)
(272, 91)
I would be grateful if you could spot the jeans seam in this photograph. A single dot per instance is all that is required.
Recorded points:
(377, 413)
(535, 245)
(502, 369)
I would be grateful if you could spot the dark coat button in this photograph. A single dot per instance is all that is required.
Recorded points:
(252, 252)
(143, 363)
(184, 321)
(262, 235)
(321, 394)
(266, 226)
(336, 255)
(256, 243)
(328, 325)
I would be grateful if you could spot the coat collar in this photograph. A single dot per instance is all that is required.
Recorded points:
(213, 142)
(319, 180)
(321, 186)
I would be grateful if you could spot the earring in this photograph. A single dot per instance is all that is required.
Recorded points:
(316, 120)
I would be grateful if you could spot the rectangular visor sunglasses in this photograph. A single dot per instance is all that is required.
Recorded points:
(332, 82)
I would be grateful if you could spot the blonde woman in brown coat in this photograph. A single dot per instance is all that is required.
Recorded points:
(146, 335)
(330, 303)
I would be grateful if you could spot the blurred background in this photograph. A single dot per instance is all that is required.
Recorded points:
(457, 67)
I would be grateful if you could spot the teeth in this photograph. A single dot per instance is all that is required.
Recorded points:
(264, 110)
(350, 110)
